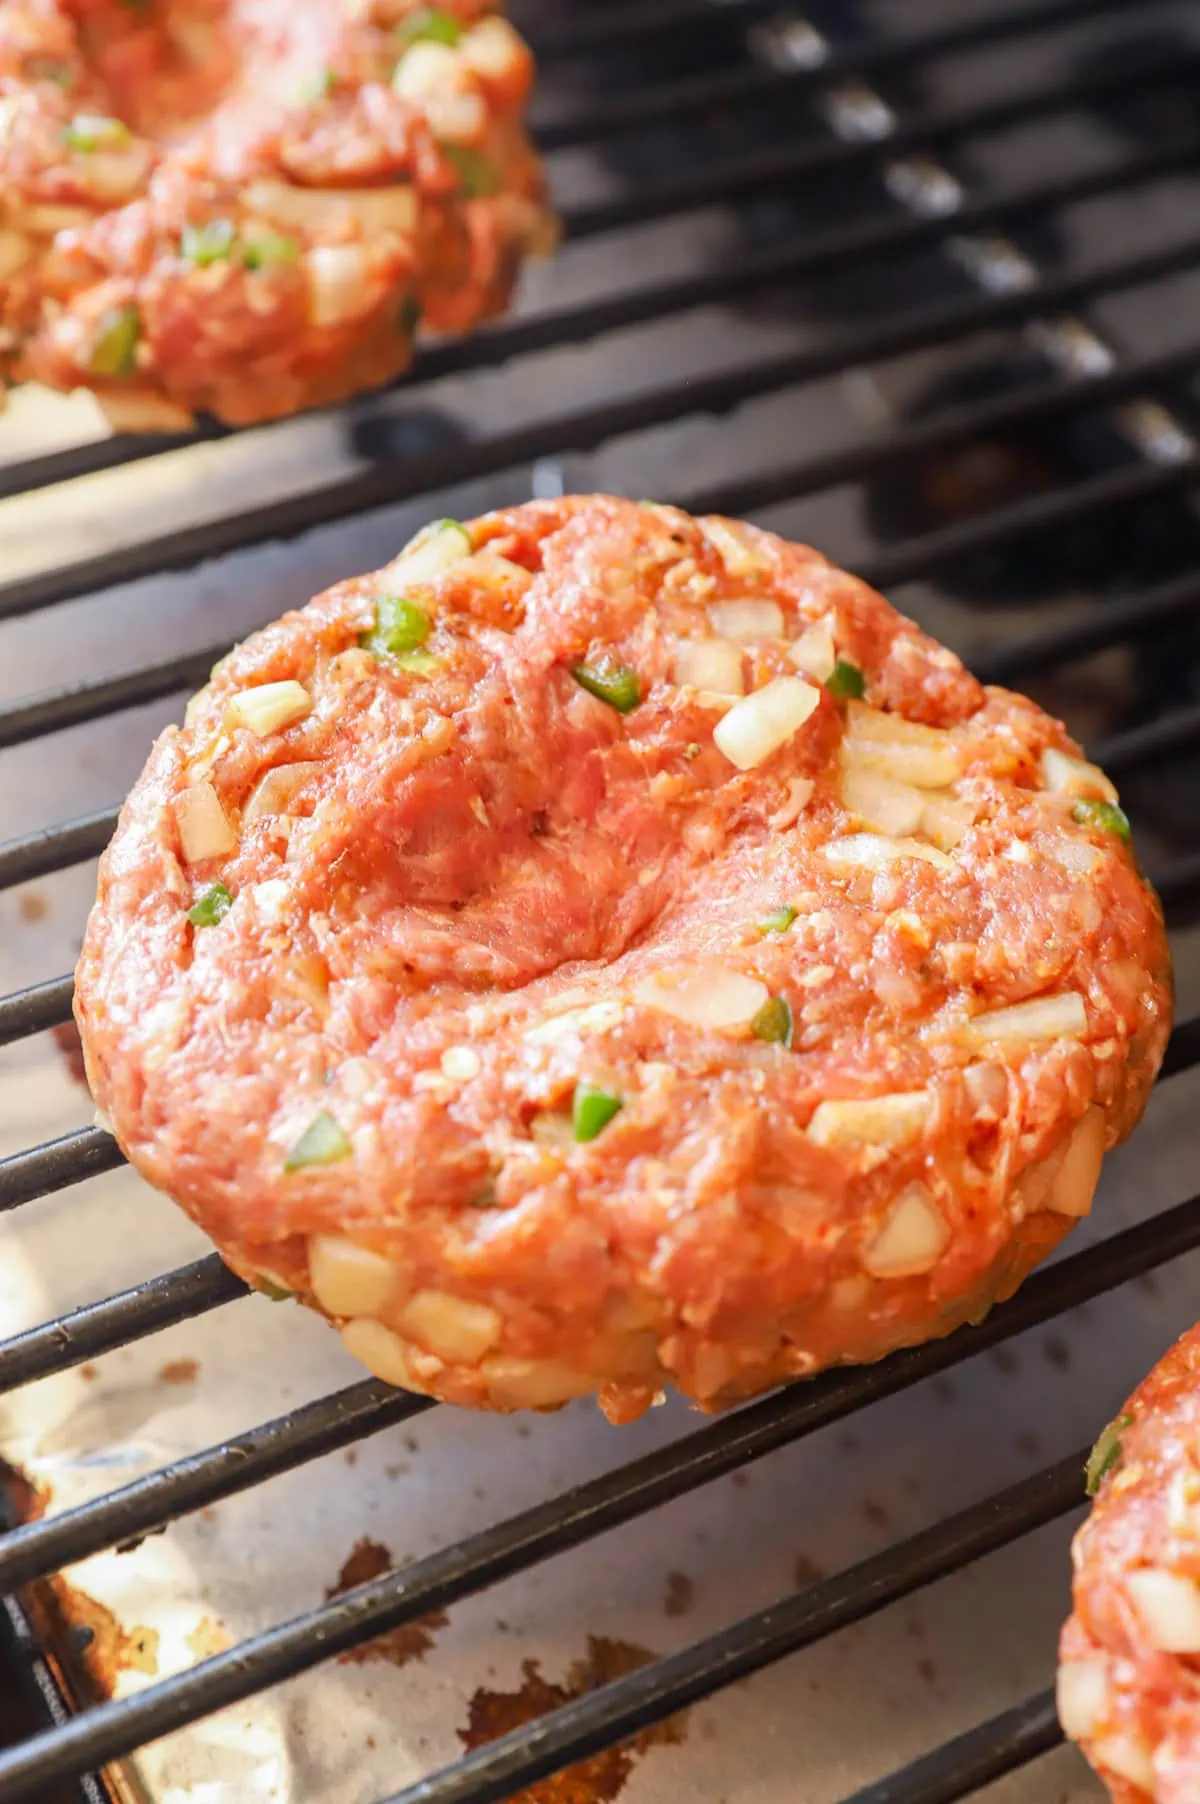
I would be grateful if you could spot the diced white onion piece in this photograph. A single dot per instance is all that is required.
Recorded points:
(382, 1352)
(533, 1383)
(945, 819)
(799, 795)
(591, 1018)
(15, 252)
(373, 210)
(460, 1062)
(760, 723)
(1073, 777)
(50, 217)
(458, 1331)
(270, 899)
(270, 707)
(903, 749)
(712, 664)
(892, 808)
(870, 1120)
(704, 995)
(911, 1240)
(1169, 1606)
(499, 574)
(114, 175)
(552, 1129)
(1082, 1698)
(275, 788)
(456, 118)
(875, 852)
(348, 1279)
(987, 1086)
(738, 554)
(814, 653)
(1075, 1182)
(430, 554)
(141, 410)
(204, 829)
(1045, 1018)
(1074, 855)
(492, 48)
(337, 283)
(1128, 1758)
(426, 70)
(746, 620)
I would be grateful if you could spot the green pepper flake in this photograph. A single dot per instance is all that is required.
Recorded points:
(778, 921)
(592, 1109)
(430, 25)
(270, 250)
(208, 243)
(116, 342)
(1106, 1453)
(400, 625)
(977, 1316)
(846, 681)
(321, 1143)
(408, 314)
(613, 683)
(773, 1022)
(417, 663)
(477, 174)
(211, 907)
(1106, 817)
(274, 1293)
(94, 131)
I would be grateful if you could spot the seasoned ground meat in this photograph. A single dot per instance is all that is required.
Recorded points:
(606, 948)
(1129, 1664)
(244, 207)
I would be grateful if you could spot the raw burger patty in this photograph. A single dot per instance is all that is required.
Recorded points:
(1129, 1672)
(245, 207)
(582, 1023)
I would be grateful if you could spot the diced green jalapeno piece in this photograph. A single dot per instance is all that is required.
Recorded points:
(846, 681)
(1106, 817)
(94, 131)
(208, 243)
(592, 1109)
(773, 1022)
(477, 174)
(778, 921)
(430, 24)
(211, 907)
(321, 1143)
(270, 250)
(613, 683)
(400, 625)
(417, 663)
(1106, 1453)
(116, 342)
(274, 1293)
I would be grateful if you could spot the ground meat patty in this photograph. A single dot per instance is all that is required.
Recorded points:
(244, 207)
(606, 948)
(1129, 1672)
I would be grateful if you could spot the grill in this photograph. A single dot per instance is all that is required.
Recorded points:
(922, 296)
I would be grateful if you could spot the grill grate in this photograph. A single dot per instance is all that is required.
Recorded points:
(785, 58)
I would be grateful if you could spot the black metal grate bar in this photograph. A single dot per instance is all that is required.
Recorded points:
(617, 1710)
(55, 1164)
(83, 702)
(705, 185)
(440, 1579)
(17, 1638)
(963, 1765)
(1110, 622)
(313, 1430)
(54, 848)
(586, 428)
(33, 1010)
(754, 83)
(148, 1504)
(118, 1321)
(809, 256)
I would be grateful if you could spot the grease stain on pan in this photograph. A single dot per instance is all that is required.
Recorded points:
(368, 1560)
(595, 1781)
